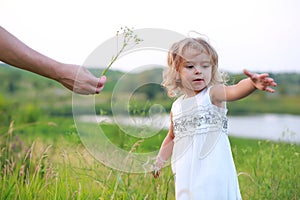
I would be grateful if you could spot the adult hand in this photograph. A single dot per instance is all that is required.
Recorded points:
(79, 79)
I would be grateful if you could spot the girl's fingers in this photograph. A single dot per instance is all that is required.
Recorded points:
(269, 82)
(247, 73)
(269, 90)
(155, 173)
(273, 84)
(254, 76)
(264, 75)
(263, 79)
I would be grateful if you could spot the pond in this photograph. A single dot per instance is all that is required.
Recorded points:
(275, 127)
(268, 126)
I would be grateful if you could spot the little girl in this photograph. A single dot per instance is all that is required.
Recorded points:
(197, 140)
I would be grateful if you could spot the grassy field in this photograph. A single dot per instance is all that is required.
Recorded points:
(42, 156)
(46, 160)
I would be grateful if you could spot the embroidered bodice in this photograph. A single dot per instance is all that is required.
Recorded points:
(197, 115)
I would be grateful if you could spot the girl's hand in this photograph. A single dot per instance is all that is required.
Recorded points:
(261, 81)
(156, 172)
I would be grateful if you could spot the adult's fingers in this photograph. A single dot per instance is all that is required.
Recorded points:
(100, 84)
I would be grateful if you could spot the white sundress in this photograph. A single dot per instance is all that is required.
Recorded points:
(202, 160)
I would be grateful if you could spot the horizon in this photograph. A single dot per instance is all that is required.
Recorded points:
(2, 64)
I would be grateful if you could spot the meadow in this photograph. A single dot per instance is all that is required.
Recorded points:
(43, 157)
(47, 160)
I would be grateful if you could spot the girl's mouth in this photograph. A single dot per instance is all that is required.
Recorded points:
(198, 80)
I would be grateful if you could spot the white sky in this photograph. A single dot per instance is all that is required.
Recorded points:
(260, 35)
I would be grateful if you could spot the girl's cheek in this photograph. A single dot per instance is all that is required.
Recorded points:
(208, 72)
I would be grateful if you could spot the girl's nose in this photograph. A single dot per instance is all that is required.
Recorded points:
(197, 69)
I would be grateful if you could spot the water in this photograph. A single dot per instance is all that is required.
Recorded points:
(269, 126)
(275, 127)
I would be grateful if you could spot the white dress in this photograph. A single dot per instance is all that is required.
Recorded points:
(202, 160)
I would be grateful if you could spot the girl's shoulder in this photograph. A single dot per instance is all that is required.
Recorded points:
(178, 100)
(217, 88)
(217, 94)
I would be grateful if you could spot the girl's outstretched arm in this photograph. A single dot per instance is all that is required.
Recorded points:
(165, 151)
(243, 88)
(248, 85)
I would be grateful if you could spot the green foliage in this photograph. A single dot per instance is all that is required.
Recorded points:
(267, 170)
(125, 141)
(30, 94)
(61, 169)
(33, 166)
(262, 103)
(19, 89)
(30, 113)
(5, 116)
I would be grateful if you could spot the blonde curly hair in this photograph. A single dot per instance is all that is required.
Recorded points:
(176, 61)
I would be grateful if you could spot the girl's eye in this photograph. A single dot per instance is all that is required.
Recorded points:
(190, 66)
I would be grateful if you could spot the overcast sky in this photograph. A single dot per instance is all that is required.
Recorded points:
(260, 35)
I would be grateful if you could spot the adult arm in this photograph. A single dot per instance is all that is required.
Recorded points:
(75, 78)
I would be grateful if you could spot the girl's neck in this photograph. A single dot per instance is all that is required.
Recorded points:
(188, 94)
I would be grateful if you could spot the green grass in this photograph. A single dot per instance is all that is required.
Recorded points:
(267, 170)
(56, 166)
(126, 141)
(46, 160)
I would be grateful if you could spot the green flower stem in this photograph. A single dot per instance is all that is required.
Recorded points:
(128, 37)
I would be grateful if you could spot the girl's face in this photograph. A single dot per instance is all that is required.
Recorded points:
(196, 72)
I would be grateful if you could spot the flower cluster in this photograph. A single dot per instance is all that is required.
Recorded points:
(129, 41)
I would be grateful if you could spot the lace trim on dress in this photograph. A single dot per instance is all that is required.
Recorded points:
(201, 120)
